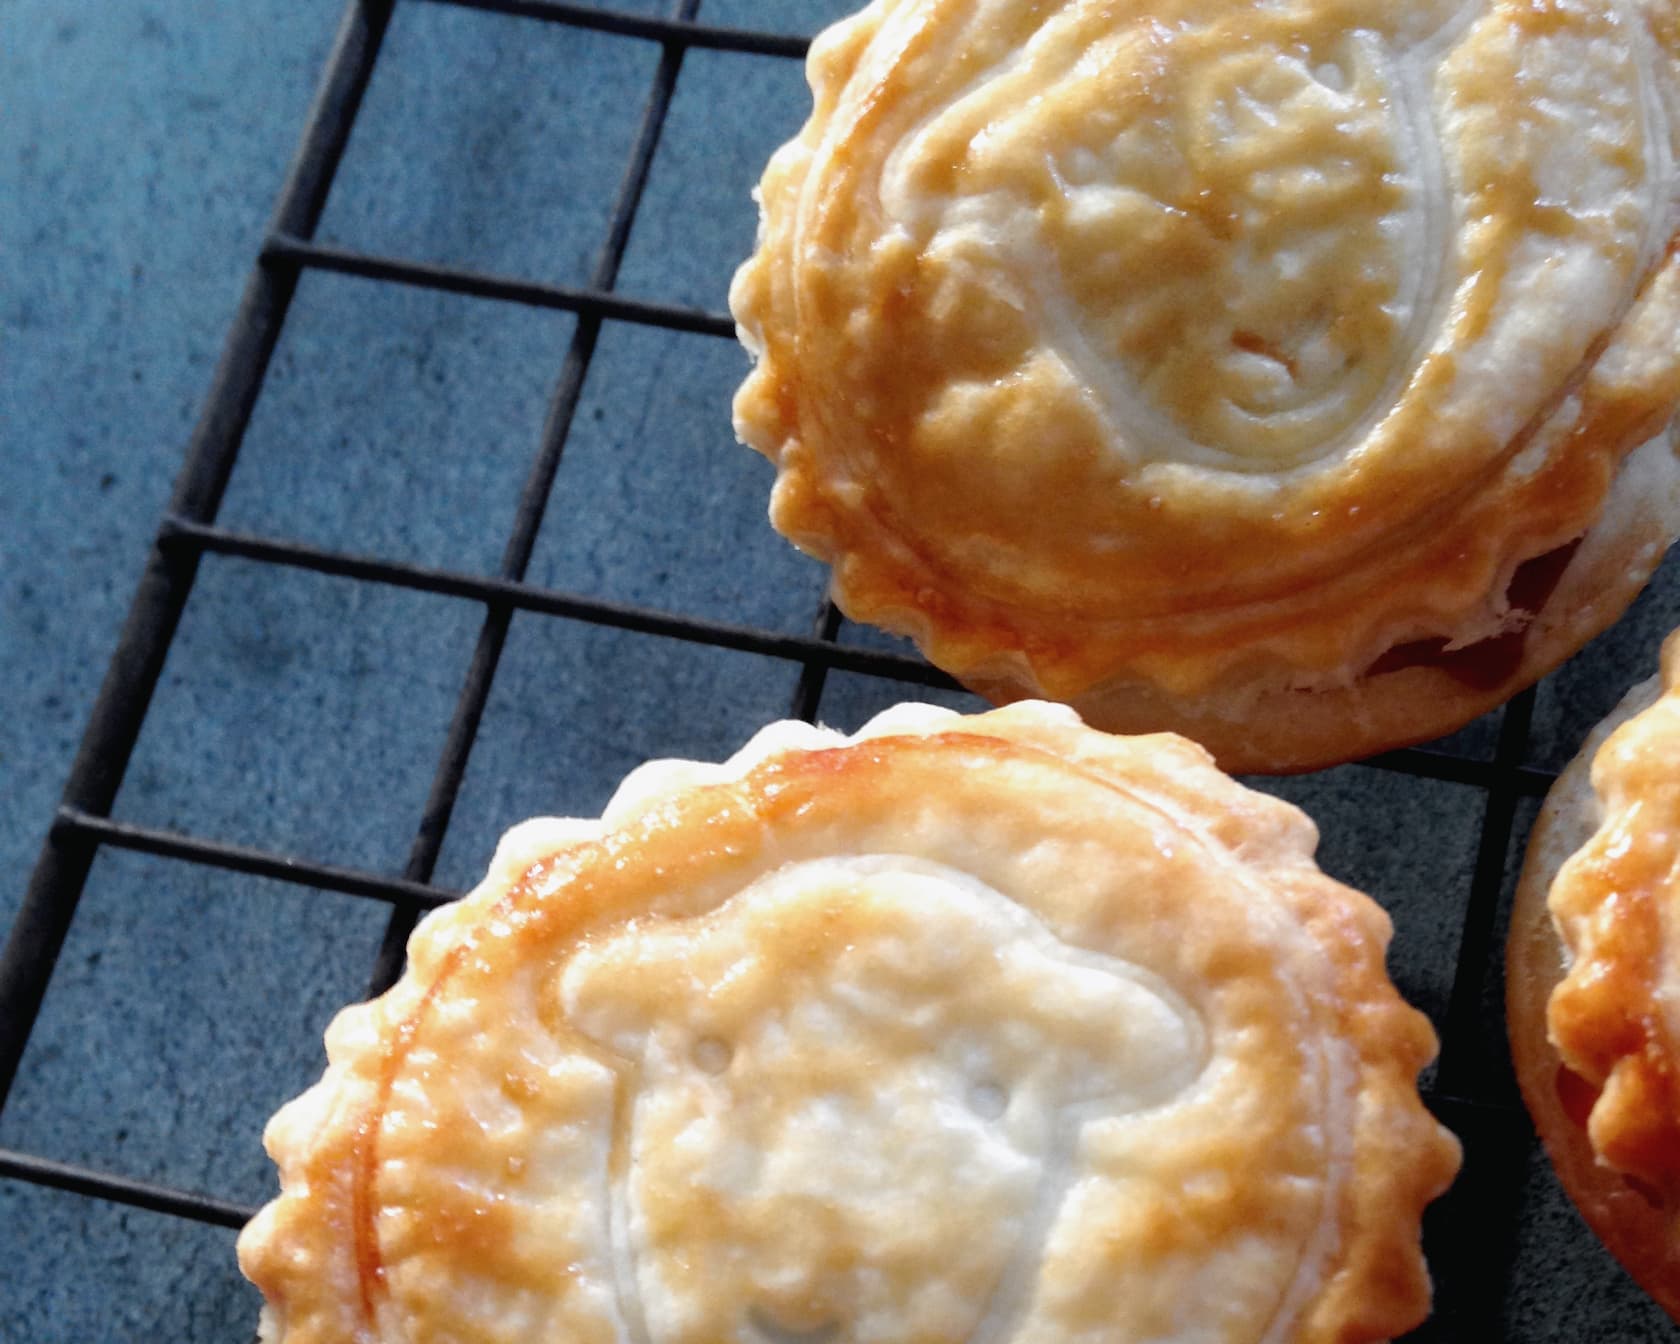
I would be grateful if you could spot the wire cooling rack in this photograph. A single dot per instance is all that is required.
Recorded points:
(1470, 1234)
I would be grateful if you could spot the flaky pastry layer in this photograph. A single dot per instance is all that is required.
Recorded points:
(1616, 901)
(1591, 977)
(1201, 351)
(961, 1029)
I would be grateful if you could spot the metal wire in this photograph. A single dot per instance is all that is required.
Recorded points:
(425, 275)
(1469, 1234)
(533, 502)
(55, 887)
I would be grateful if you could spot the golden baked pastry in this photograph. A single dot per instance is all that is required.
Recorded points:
(1593, 969)
(962, 1029)
(1293, 375)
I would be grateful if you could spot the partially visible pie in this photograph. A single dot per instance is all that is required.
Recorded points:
(1296, 376)
(1594, 980)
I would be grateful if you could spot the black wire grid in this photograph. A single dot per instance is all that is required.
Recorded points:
(1469, 1234)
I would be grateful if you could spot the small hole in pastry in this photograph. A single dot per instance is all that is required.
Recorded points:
(1251, 344)
(712, 1055)
(1645, 1190)
(1576, 1095)
(988, 1100)
(767, 1327)
(1332, 76)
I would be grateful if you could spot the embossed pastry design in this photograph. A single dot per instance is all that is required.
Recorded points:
(960, 1029)
(1296, 376)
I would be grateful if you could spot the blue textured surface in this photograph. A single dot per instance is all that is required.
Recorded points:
(482, 142)
(397, 422)
(140, 150)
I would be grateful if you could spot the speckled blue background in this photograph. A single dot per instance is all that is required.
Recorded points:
(141, 146)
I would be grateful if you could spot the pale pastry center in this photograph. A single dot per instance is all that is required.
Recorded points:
(1234, 227)
(1234, 238)
(1259, 266)
(858, 1097)
(1246, 250)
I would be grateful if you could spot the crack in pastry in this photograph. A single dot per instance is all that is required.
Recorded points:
(1593, 977)
(1181, 360)
(969, 1030)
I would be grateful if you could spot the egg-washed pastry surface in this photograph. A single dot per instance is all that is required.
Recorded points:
(1599, 982)
(962, 1029)
(1257, 370)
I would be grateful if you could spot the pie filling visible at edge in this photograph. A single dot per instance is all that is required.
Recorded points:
(1167, 341)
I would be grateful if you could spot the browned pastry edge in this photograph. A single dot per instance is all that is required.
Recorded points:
(1284, 731)
(315, 1253)
(1274, 685)
(1637, 1232)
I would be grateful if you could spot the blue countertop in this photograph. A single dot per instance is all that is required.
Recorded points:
(142, 149)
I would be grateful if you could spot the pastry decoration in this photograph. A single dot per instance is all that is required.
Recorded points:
(961, 1029)
(1294, 375)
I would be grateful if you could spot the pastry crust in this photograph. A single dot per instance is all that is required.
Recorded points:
(1184, 362)
(986, 1028)
(1591, 969)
